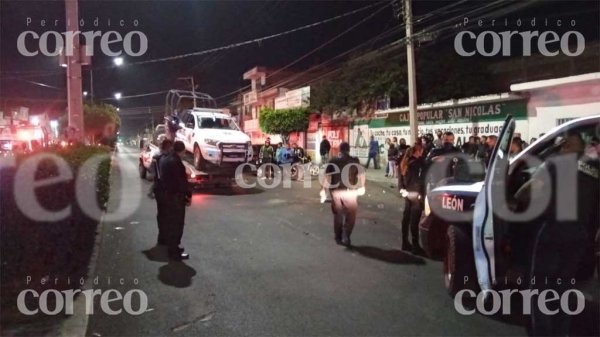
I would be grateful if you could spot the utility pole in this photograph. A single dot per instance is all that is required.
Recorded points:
(412, 76)
(91, 85)
(73, 58)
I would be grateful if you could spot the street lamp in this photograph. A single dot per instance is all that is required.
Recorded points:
(117, 95)
(118, 61)
(85, 93)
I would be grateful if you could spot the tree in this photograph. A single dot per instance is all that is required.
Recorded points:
(101, 122)
(283, 121)
(360, 83)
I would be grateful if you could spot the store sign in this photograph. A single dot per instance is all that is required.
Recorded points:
(464, 121)
(294, 99)
(463, 114)
(250, 97)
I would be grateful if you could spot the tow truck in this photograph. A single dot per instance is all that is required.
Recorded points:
(214, 144)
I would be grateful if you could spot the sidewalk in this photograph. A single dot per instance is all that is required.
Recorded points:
(378, 177)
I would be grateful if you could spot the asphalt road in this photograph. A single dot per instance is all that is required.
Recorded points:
(264, 262)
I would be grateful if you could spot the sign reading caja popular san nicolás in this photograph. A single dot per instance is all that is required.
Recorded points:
(463, 113)
(463, 120)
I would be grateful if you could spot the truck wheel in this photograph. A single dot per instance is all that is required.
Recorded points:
(459, 262)
(294, 172)
(314, 170)
(142, 171)
(198, 160)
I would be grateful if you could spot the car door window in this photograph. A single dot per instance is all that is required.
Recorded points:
(190, 121)
(523, 168)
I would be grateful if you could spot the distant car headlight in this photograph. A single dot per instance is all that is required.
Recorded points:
(212, 142)
(427, 209)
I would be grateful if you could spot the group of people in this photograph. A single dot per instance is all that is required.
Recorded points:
(280, 155)
(413, 166)
(172, 193)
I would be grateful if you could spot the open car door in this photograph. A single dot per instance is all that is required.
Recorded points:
(484, 226)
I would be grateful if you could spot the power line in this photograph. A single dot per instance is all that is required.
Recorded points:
(403, 40)
(310, 52)
(247, 42)
(423, 18)
(40, 84)
(136, 96)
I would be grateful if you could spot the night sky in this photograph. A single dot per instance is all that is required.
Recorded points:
(178, 27)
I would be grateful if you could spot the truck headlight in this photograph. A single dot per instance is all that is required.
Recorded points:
(427, 209)
(212, 142)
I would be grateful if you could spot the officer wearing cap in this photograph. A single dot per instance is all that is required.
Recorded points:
(266, 155)
(177, 195)
(345, 178)
(158, 190)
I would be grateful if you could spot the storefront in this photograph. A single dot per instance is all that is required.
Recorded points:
(556, 101)
(466, 117)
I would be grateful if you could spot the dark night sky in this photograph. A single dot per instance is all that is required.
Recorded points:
(176, 27)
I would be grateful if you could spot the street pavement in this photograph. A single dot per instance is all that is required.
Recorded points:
(264, 262)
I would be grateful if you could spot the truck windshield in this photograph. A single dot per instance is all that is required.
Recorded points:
(217, 123)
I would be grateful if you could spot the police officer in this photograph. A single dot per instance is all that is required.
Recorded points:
(177, 195)
(299, 159)
(266, 156)
(324, 149)
(443, 159)
(158, 190)
(345, 178)
(564, 248)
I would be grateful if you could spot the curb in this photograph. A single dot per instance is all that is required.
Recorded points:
(76, 325)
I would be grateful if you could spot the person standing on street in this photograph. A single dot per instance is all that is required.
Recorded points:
(324, 149)
(402, 147)
(438, 142)
(373, 151)
(443, 158)
(299, 160)
(411, 183)
(177, 196)
(393, 161)
(427, 144)
(345, 178)
(158, 190)
(266, 157)
(278, 152)
(386, 147)
(491, 144)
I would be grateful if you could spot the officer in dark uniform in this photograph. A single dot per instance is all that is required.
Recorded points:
(564, 248)
(443, 159)
(158, 189)
(177, 195)
(341, 171)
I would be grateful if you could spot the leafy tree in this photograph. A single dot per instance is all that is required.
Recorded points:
(360, 83)
(101, 122)
(443, 74)
(283, 121)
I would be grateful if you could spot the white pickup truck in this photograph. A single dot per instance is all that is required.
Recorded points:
(214, 139)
